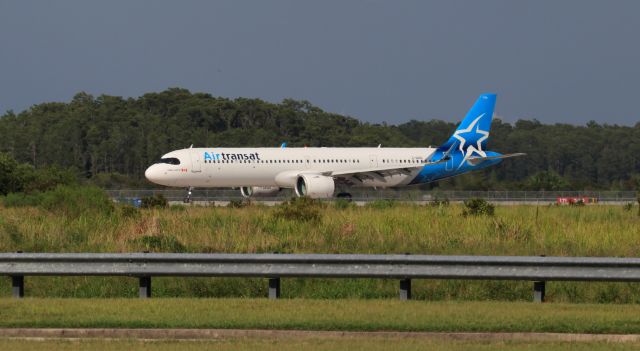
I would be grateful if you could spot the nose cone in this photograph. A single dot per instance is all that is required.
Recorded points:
(153, 174)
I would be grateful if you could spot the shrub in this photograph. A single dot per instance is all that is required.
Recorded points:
(628, 206)
(115, 181)
(160, 243)
(128, 211)
(299, 208)
(12, 175)
(155, 201)
(21, 177)
(177, 208)
(74, 201)
(382, 204)
(237, 204)
(343, 204)
(438, 202)
(22, 200)
(48, 178)
(478, 207)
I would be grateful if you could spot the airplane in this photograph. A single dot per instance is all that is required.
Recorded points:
(316, 171)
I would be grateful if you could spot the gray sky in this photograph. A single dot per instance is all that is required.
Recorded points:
(557, 61)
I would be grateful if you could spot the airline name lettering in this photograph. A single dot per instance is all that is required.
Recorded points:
(209, 156)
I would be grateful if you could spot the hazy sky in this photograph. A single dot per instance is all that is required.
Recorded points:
(557, 61)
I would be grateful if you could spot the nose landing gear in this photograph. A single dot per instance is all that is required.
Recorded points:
(187, 198)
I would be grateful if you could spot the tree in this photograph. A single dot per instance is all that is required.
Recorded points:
(546, 180)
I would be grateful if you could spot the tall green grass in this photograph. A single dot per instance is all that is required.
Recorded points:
(305, 314)
(400, 228)
(360, 343)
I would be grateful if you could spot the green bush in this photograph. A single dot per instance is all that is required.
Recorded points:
(128, 211)
(343, 204)
(71, 201)
(74, 201)
(237, 204)
(300, 209)
(160, 243)
(48, 178)
(177, 208)
(382, 204)
(478, 207)
(438, 202)
(17, 178)
(155, 201)
(22, 200)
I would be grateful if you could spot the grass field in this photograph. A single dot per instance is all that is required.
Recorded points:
(378, 228)
(308, 344)
(304, 314)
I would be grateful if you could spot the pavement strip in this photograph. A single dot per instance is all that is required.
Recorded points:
(199, 334)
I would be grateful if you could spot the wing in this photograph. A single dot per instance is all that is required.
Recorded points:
(377, 173)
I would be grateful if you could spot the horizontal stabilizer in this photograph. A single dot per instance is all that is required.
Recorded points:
(477, 160)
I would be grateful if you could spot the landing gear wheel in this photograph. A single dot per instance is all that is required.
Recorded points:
(345, 196)
(187, 198)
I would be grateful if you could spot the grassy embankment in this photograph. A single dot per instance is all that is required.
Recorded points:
(380, 228)
(314, 314)
(336, 315)
(315, 344)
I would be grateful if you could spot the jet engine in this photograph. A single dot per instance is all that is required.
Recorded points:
(258, 191)
(315, 186)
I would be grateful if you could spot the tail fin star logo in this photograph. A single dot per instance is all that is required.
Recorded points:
(470, 134)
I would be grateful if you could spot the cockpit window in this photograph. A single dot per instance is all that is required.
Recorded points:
(170, 160)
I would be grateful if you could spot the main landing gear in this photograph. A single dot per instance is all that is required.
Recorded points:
(187, 198)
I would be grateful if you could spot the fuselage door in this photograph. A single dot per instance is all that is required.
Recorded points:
(448, 166)
(196, 161)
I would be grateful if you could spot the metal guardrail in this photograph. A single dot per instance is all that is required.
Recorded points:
(276, 266)
(400, 194)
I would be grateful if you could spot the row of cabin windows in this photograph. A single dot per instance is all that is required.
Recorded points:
(282, 161)
(403, 161)
(308, 161)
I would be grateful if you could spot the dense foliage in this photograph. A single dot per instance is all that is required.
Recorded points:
(24, 178)
(107, 137)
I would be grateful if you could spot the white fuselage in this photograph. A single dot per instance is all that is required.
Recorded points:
(279, 167)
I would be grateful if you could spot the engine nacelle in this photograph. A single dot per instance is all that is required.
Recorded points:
(315, 186)
(258, 191)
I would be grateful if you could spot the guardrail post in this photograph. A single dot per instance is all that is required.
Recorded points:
(274, 288)
(145, 287)
(17, 286)
(538, 291)
(405, 289)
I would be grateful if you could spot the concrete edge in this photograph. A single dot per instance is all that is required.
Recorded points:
(200, 334)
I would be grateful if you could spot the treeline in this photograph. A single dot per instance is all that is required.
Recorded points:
(110, 140)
